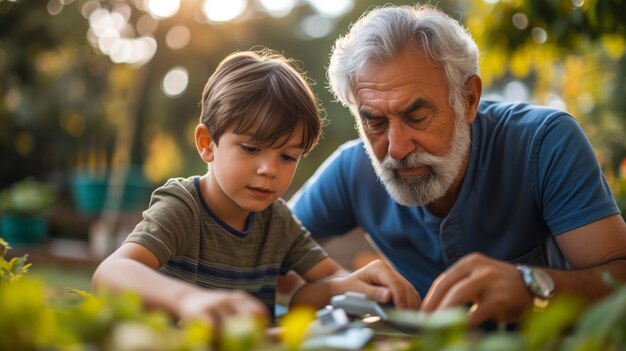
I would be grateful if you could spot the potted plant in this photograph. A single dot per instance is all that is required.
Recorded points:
(23, 206)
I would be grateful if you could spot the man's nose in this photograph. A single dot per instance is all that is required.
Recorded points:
(400, 140)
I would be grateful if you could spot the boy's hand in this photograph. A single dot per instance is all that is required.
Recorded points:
(381, 283)
(215, 306)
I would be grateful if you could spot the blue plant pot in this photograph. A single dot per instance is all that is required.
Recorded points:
(20, 230)
(89, 192)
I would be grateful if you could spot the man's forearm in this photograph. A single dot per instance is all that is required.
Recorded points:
(590, 284)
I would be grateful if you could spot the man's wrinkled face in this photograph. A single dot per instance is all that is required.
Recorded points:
(416, 142)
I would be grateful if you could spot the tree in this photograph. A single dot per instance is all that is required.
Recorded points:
(571, 53)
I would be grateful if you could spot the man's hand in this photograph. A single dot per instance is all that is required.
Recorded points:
(381, 283)
(215, 306)
(495, 288)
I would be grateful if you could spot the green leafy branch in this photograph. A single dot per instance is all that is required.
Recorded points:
(13, 269)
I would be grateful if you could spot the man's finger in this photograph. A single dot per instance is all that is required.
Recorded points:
(481, 312)
(447, 280)
(462, 293)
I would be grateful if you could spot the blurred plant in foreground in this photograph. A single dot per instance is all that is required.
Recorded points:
(34, 319)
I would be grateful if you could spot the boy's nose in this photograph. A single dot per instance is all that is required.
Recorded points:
(267, 167)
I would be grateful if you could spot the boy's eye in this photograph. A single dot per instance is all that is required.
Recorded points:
(249, 149)
(288, 158)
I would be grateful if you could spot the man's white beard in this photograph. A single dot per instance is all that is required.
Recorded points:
(423, 189)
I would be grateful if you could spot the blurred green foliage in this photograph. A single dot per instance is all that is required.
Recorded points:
(27, 197)
(12, 269)
(65, 106)
(34, 319)
(572, 52)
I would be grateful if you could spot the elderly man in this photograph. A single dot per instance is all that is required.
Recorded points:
(466, 198)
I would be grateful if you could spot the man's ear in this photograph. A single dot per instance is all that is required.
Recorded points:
(473, 90)
(204, 143)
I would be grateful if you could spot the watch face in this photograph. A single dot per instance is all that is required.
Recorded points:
(545, 285)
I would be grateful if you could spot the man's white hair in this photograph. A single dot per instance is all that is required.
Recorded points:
(384, 32)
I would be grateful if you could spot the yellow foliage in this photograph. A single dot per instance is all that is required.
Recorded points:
(543, 85)
(54, 62)
(198, 333)
(520, 63)
(573, 77)
(614, 44)
(295, 326)
(73, 123)
(164, 158)
(513, 3)
(121, 79)
(24, 143)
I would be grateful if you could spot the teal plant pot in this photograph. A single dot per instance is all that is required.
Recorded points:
(89, 192)
(20, 230)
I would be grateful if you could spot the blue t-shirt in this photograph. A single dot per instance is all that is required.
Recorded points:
(532, 175)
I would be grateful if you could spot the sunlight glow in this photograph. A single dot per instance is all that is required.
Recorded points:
(223, 11)
(107, 31)
(177, 37)
(539, 35)
(515, 91)
(520, 21)
(146, 25)
(316, 26)
(54, 7)
(555, 101)
(89, 7)
(578, 3)
(331, 8)
(277, 8)
(175, 82)
(163, 8)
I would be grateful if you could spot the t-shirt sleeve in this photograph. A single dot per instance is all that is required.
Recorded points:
(167, 222)
(304, 253)
(571, 186)
(323, 204)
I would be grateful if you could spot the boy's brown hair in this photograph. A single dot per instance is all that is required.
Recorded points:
(260, 92)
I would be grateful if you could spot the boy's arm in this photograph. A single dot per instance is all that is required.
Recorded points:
(376, 280)
(133, 267)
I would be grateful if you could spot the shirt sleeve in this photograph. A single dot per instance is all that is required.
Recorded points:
(323, 204)
(571, 186)
(168, 221)
(304, 253)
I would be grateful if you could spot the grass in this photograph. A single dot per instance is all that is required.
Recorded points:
(60, 277)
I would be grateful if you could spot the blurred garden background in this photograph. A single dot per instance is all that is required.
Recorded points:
(99, 98)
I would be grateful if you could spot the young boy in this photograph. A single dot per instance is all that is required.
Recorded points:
(212, 246)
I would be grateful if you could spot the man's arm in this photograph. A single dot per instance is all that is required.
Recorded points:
(591, 249)
(376, 280)
(133, 267)
(496, 287)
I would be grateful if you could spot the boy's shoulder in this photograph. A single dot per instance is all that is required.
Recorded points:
(277, 208)
(180, 183)
(183, 188)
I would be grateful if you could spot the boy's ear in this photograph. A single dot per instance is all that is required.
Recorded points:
(203, 143)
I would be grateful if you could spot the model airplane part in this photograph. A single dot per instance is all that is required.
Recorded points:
(345, 339)
(357, 304)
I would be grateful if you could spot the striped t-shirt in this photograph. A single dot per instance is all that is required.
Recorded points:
(194, 245)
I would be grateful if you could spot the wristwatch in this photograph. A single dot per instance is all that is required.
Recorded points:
(539, 284)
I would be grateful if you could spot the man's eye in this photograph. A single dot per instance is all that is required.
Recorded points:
(249, 149)
(417, 121)
(374, 124)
